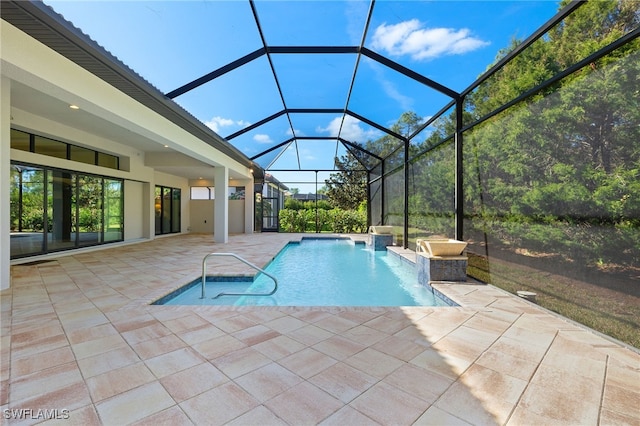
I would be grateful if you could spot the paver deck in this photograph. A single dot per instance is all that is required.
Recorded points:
(80, 342)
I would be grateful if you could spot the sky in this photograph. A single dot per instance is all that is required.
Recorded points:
(171, 43)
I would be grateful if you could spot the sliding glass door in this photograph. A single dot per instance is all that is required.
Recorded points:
(54, 210)
(167, 210)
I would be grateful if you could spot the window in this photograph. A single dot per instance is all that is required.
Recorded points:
(208, 193)
(202, 193)
(45, 146)
(108, 160)
(20, 140)
(167, 210)
(236, 192)
(83, 155)
(50, 147)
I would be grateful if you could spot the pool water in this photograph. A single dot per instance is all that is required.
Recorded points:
(321, 272)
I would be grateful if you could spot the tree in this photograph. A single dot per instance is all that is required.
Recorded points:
(347, 188)
(407, 123)
(557, 170)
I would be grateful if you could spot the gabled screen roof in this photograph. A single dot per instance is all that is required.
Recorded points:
(292, 84)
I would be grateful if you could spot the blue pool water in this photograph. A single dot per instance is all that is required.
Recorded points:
(320, 272)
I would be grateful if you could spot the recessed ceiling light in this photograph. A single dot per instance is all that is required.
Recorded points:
(74, 106)
(166, 146)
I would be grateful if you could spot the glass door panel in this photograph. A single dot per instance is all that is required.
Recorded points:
(113, 210)
(89, 209)
(27, 210)
(175, 210)
(61, 210)
(166, 210)
(158, 210)
(270, 211)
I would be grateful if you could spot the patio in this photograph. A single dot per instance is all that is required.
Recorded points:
(78, 334)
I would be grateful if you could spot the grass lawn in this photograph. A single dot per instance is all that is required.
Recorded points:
(608, 303)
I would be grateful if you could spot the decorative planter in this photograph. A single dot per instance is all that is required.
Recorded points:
(441, 247)
(380, 229)
(440, 259)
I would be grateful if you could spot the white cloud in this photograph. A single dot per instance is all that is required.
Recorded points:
(405, 102)
(306, 154)
(411, 38)
(262, 138)
(217, 122)
(351, 129)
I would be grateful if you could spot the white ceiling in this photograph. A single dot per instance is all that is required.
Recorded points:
(57, 110)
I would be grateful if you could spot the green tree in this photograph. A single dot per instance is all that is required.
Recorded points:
(347, 188)
(549, 169)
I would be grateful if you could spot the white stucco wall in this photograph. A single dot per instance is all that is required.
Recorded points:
(28, 63)
(236, 216)
(203, 211)
(134, 208)
(202, 216)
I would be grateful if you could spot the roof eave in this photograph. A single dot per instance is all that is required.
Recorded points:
(50, 28)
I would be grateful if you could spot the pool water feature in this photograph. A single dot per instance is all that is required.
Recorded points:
(319, 272)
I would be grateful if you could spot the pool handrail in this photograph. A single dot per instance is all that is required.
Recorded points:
(246, 262)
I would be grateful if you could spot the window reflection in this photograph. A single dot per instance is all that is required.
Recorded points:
(83, 155)
(27, 210)
(113, 210)
(61, 210)
(89, 209)
(50, 147)
(20, 140)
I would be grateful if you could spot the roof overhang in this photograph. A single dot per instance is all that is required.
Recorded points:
(41, 23)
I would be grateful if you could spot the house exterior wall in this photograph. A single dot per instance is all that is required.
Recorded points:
(202, 216)
(27, 63)
(136, 221)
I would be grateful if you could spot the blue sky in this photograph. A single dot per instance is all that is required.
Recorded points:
(171, 43)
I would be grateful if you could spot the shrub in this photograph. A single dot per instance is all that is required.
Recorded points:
(334, 220)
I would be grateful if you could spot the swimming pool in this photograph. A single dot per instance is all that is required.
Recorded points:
(319, 272)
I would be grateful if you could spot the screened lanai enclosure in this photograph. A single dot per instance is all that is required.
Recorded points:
(527, 145)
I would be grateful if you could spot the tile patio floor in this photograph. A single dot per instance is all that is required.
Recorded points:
(78, 335)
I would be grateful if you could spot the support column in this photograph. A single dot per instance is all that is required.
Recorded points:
(249, 203)
(221, 208)
(5, 178)
(459, 189)
(148, 210)
(405, 233)
(382, 183)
